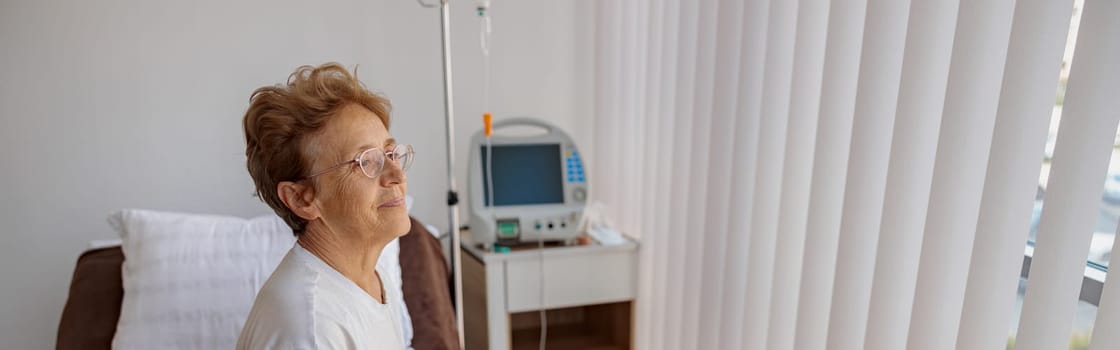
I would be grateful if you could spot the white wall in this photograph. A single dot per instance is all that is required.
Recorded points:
(128, 103)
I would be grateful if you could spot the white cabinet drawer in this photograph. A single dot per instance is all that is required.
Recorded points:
(570, 280)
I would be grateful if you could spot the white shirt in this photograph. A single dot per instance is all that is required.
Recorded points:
(306, 304)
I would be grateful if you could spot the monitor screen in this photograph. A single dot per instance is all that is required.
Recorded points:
(524, 174)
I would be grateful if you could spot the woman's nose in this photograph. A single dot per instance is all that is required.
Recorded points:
(392, 174)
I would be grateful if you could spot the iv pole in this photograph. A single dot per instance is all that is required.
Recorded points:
(452, 194)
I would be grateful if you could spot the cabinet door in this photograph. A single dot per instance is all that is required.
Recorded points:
(571, 280)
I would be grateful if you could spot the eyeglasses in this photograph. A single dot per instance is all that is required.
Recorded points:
(372, 161)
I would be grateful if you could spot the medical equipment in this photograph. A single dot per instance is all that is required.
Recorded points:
(483, 7)
(539, 185)
(567, 228)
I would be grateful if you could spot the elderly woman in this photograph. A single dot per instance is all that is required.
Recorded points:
(320, 154)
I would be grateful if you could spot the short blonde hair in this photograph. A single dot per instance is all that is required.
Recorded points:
(280, 118)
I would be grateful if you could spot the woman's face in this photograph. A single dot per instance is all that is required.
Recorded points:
(349, 202)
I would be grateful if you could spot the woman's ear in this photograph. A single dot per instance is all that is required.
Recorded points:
(299, 198)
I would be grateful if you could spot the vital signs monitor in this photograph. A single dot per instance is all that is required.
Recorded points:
(525, 188)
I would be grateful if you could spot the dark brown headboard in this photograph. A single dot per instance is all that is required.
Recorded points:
(89, 319)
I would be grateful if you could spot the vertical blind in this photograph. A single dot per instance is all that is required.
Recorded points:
(853, 174)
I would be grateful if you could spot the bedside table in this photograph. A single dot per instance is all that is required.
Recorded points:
(589, 294)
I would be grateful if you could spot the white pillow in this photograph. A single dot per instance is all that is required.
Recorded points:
(190, 280)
